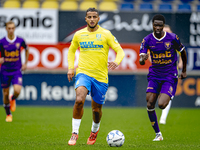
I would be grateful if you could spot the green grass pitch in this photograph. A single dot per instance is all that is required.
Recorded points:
(49, 128)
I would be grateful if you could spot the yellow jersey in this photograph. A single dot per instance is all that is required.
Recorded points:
(94, 48)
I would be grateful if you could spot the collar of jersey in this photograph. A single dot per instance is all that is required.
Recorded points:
(11, 41)
(160, 38)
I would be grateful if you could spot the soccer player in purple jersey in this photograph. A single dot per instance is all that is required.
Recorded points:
(11, 67)
(163, 73)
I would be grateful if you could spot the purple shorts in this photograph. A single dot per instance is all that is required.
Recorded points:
(11, 77)
(163, 86)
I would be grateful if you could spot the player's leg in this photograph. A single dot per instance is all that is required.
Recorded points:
(83, 87)
(17, 89)
(17, 85)
(151, 101)
(6, 104)
(165, 112)
(97, 113)
(168, 91)
(5, 83)
(153, 90)
(98, 93)
(81, 93)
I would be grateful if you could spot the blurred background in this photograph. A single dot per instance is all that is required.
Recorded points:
(49, 25)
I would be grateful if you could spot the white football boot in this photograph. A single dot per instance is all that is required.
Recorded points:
(158, 137)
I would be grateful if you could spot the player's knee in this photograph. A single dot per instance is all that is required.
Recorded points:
(5, 93)
(79, 101)
(161, 106)
(17, 92)
(150, 105)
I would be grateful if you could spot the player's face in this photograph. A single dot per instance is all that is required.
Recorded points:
(158, 26)
(10, 29)
(167, 29)
(92, 19)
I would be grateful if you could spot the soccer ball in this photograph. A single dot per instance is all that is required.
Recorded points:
(115, 138)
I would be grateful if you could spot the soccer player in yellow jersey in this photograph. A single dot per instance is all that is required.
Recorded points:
(92, 72)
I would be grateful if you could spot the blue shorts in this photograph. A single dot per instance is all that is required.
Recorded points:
(96, 89)
(163, 86)
(8, 78)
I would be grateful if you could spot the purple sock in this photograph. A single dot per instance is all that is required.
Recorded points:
(153, 119)
(7, 109)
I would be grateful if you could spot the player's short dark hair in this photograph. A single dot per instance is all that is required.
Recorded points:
(92, 10)
(159, 17)
(9, 22)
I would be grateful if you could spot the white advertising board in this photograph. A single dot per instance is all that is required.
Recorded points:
(36, 26)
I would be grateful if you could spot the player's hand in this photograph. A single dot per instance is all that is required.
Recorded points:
(1, 60)
(70, 74)
(24, 67)
(183, 75)
(112, 65)
(143, 58)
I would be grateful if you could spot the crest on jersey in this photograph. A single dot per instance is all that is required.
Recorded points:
(167, 45)
(17, 45)
(98, 36)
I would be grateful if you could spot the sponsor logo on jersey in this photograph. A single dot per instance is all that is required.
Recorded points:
(12, 53)
(90, 44)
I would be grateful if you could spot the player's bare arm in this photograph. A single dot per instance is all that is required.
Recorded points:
(143, 58)
(24, 66)
(70, 74)
(1, 60)
(112, 65)
(184, 58)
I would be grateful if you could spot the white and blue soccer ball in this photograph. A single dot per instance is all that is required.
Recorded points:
(115, 138)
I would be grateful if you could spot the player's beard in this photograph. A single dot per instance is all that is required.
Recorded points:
(92, 27)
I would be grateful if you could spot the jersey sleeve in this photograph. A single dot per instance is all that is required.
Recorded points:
(143, 47)
(178, 45)
(113, 43)
(72, 50)
(24, 45)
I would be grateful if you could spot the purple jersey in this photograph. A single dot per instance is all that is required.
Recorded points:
(10, 50)
(163, 53)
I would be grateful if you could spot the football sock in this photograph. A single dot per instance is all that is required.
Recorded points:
(7, 109)
(153, 119)
(75, 125)
(95, 127)
(14, 97)
(165, 112)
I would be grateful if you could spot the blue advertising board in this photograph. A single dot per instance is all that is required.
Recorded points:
(123, 90)
(54, 89)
